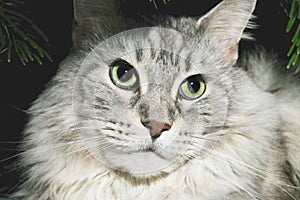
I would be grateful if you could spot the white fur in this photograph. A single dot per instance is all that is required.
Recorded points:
(254, 130)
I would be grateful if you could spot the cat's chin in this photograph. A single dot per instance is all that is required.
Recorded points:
(143, 164)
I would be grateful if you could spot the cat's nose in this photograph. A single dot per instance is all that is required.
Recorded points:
(156, 128)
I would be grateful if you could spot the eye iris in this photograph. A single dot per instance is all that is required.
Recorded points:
(123, 75)
(192, 88)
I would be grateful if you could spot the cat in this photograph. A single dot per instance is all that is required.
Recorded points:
(163, 109)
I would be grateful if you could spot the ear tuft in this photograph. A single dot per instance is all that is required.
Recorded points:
(87, 9)
(92, 14)
(223, 26)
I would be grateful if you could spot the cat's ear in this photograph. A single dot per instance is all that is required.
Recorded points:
(223, 26)
(92, 14)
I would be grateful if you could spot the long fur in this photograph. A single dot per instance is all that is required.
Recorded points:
(240, 140)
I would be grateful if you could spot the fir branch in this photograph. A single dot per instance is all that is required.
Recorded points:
(294, 21)
(14, 38)
(155, 4)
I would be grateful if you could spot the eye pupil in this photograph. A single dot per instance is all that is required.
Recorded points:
(193, 85)
(124, 73)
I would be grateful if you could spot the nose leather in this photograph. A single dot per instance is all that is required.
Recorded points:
(156, 128)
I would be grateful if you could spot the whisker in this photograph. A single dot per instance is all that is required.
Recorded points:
(239, 149)
(262, 175)
(18, 109)
(8, 149)
(11, 170)
(249, 191)
(11, 157)
(11, 142)
(250, 169)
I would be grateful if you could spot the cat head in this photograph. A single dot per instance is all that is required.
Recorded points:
(148, 100)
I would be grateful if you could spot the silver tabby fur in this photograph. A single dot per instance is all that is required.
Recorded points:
(240, 140)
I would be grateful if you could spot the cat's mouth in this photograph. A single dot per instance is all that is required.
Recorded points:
(145, 159)
(148, 149)
(151, 149)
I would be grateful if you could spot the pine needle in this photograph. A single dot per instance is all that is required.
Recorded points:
(14, 37)
(155, 4)
(294, 23)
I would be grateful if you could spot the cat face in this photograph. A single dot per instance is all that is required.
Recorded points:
(149, 100)
(147, 103)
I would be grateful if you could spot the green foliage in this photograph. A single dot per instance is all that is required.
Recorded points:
(294, 22)
(155, 4)
(14, 38)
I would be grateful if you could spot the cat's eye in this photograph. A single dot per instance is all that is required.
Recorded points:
(123, 75)
(192, 88)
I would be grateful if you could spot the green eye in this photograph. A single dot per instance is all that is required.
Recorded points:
(192, 88)
(123, 75)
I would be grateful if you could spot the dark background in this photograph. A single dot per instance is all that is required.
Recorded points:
(20, 85)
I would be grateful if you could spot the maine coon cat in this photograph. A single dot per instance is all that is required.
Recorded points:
(163, 109)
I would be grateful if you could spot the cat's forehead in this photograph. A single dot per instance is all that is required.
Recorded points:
(162, 52)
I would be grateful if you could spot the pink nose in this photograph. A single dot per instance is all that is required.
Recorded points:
(156, 128)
